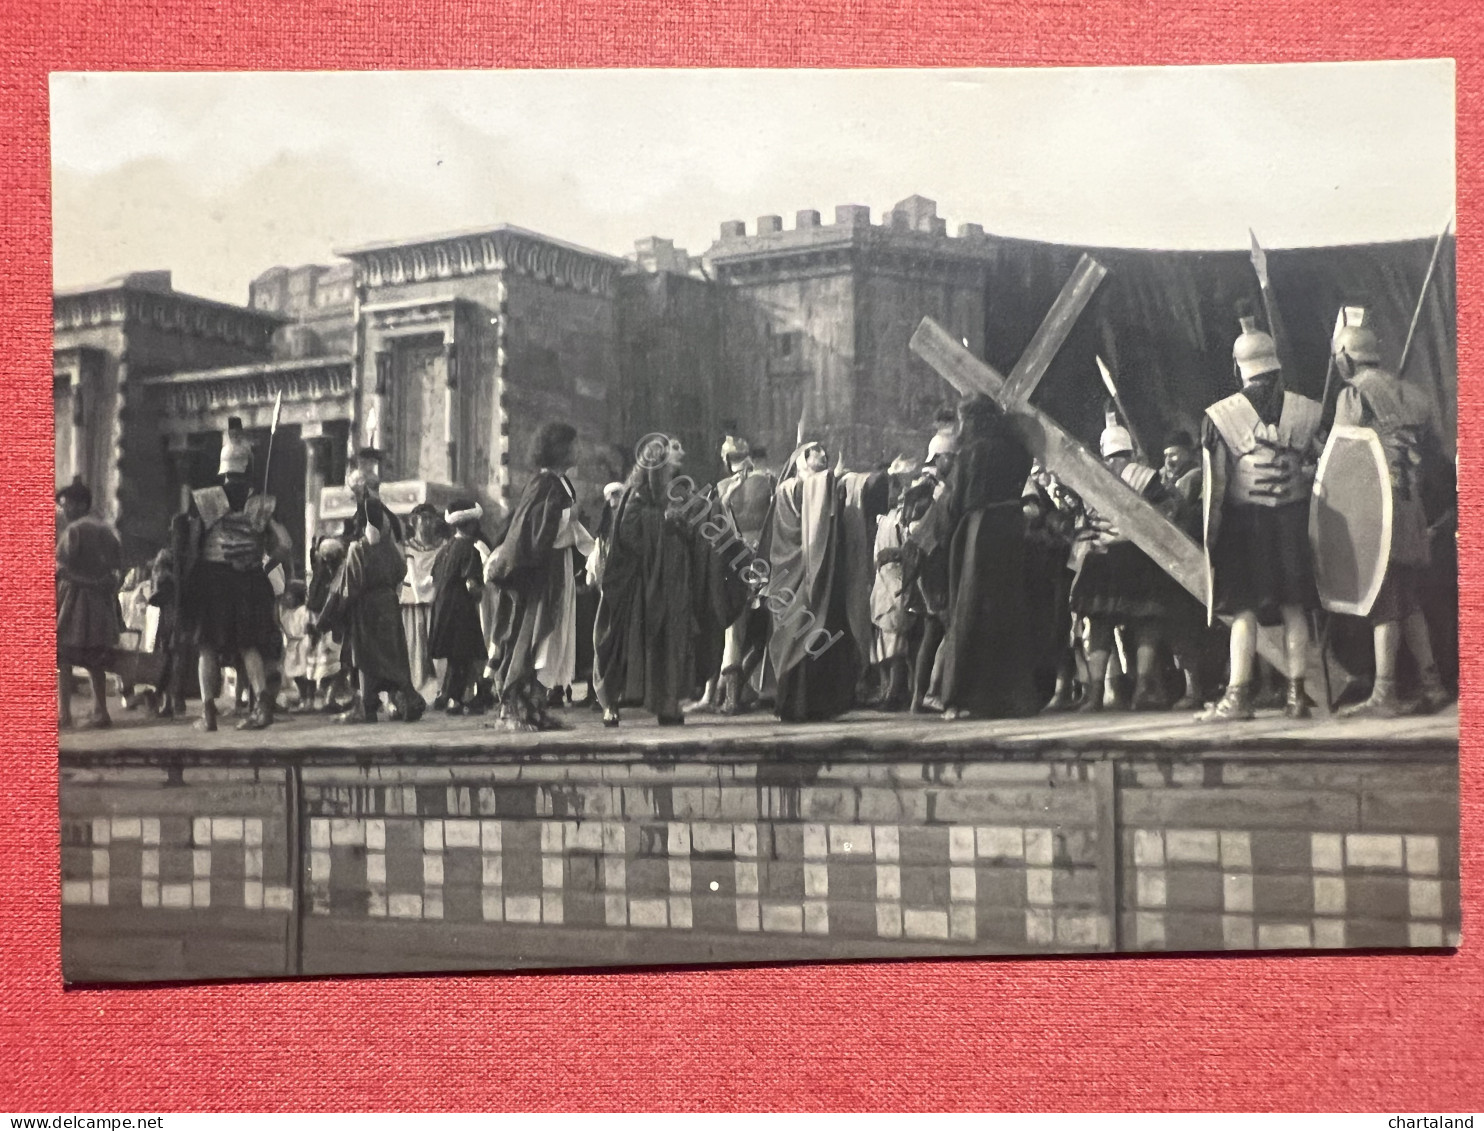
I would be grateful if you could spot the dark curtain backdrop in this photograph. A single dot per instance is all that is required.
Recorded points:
(1165, 321)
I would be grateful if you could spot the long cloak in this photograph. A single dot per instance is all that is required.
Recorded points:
(454, 632)
(363, 602)
(532, 577)
(645, 636)
(719, 556)
(812, 651)
(987, 650)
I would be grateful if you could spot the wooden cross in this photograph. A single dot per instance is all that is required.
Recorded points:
(1062, 454)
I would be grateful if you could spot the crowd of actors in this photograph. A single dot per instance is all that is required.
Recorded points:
(970, 583)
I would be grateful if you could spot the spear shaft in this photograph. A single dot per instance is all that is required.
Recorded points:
(1432, 266)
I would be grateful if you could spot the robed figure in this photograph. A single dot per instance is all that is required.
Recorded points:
(644, 641)
(363, 606)
(979, 519)
(534, 575)
(454, 634)
(817, 587)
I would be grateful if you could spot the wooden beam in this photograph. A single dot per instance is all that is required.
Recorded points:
(1069, 460)
(1051, 335)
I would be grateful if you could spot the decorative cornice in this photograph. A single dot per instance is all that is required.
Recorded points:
(430, 313)
(502, 249)
(169, 311)
(322, 381)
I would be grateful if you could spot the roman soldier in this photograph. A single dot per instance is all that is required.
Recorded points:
(1181, 477)
(1118, 584)
(744, 496)
(228, 541)
(1260, 447)
(1401, 416)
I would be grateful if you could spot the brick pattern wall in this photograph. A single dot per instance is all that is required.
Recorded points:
(960, 883)
(476, 866)
(857, 858)
(1289, 856)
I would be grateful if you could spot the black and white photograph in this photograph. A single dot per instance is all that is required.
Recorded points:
(516, 519)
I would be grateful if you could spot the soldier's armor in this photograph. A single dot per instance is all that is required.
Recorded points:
(746, 497)
(1268, 460)
(238, 538)
(1401, 417)
(1136, 476)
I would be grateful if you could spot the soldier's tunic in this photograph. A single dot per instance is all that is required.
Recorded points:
(1401, 416)
(1259, 446)
(1116, 580)
(229, 599)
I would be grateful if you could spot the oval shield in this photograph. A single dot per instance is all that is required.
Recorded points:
(1350, 520)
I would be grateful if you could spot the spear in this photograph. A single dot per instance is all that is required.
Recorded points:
(272, 431)
(1270, 304)
(1329, 368)
(1432, 266)
(1128, 421)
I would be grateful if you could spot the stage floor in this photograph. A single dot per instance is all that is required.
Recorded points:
(760, 735)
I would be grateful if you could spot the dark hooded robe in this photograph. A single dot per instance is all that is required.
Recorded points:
(988, 650)
(644, 640)
(363, 604)
(813, 651)
(531, 573)
(454, 632)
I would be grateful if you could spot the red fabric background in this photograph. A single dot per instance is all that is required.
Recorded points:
(1391, 1032)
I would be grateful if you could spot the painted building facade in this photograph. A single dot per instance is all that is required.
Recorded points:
(448, 352)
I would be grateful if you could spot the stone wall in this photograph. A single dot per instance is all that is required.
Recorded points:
(669, 367)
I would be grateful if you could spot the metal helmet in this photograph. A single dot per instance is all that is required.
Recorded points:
(236, 454)
(1354, 338)
(1254, 351)
(734, 447)
(1115, 439)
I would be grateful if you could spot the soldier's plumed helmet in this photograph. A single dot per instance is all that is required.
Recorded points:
(1355, 338)
(236, 453)
(1254, 351)
(1114, 440)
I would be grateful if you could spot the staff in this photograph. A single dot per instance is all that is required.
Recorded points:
(1122, 410)
(1432, 266)
(272, 431)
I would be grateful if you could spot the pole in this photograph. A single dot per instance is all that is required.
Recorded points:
(1432, 266)
(1329, 368)
(1128, 421)
(272, 432)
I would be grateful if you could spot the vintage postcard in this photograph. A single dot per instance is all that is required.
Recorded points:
(556, 519)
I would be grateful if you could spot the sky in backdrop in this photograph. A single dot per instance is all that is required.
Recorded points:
(221, 176)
